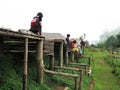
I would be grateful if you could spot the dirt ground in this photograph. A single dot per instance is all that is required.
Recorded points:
(61, 88)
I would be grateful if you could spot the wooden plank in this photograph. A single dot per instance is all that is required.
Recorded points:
(16, 34)
(67, 68)
(80, 64)
(65, 74)
(61, 73)
(25, 65)
(48, 45)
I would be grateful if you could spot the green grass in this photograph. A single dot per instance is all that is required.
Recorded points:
(102, 73)
(11, 72)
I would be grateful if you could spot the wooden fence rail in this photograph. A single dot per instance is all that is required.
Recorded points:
(65, 74)
(80, 64)
(73, 69)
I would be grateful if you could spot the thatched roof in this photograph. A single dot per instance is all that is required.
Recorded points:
(22, 33)
(58, 37)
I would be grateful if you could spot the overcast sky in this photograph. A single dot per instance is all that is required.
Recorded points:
(92, 17)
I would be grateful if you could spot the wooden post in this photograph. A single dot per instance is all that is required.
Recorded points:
(89, 60)
(51, 62)
(61, 54)
(40, 65)
(86, 70)
(73, 69)
(83, 49)
(66, 58)
(76, 83)
(1, 44)
(81, 79)
(72, 56)
(25, 65)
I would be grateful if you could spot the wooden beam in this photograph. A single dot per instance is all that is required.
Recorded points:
(51, 62)
(19, 35)
(1, 44)
(65, 74)
(72, 56)
(67, 68)
(80, 64)
(61, 54)
(61, 73)
(25, 65)
(88, 57)
(66, 60)
(76, 83)
(73, 69)
(40, 65)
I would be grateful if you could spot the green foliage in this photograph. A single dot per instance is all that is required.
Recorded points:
(118, 38)
(116, 71)
(11, 73)
(116, 66)
(111, 43)
(9, 79)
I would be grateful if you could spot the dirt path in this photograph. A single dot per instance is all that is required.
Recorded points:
(104, 79)
(91, 86)
(61, 88)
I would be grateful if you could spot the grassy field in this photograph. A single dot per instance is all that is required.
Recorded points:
(102, 72)
(11, 72)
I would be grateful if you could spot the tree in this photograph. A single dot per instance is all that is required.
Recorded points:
(118, 38)
(111, 42)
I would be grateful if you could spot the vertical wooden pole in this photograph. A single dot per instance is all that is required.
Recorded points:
(40, 65)
(83, 49)
(85, 69)
(1, 44)
(81, 79)
(51, 62)
(89, 61)
(61, 54)
(76, 83)
(66, 58)
(72, 56)
(25, 65)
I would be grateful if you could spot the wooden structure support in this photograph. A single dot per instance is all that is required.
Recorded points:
(48, 49)
(61, 54)
(116, 57)
(1, 44)
(51, 62)
(80, 64)
(13, 41)
(72, 56)
(56, 45)
(40, 65)
(65, 74)
(67, 58)
(87, 57)
(25, 65)
(73, 69)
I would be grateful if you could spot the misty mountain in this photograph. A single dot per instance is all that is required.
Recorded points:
(107, 34)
